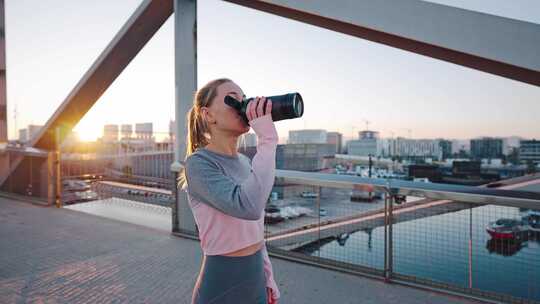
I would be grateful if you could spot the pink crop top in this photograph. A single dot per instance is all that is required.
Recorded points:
(228, 194)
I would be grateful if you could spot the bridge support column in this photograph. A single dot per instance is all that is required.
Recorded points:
(185, 57)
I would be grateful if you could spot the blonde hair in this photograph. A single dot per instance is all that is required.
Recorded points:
(197, 127)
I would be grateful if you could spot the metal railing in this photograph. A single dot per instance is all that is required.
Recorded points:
(437, 241)
(419, 234)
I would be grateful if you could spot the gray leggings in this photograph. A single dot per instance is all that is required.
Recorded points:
(225, 279)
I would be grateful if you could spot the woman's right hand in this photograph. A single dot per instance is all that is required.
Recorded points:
(256, 109)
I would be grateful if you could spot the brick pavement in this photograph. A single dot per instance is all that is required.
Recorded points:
(54, 255)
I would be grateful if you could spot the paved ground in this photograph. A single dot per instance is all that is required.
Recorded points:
(54, 255)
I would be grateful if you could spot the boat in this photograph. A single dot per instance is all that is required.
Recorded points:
(504, 247)
(507, 228)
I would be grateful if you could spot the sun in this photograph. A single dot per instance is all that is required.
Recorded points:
(87, 132)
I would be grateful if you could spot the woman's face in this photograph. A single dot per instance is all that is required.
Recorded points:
(224, 117)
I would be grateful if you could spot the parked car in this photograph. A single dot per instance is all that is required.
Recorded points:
(309, 194)
(71, 185)
(72, 197)
(272, 215)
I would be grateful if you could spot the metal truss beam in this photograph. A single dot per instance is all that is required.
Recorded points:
(492, 44)
(136, 32)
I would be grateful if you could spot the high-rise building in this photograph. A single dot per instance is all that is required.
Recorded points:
(446, 148)
(110, 133)
(126, 131)
(486, 147)
(144, 130)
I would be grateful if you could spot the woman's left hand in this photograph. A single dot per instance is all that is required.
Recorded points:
(269, 296)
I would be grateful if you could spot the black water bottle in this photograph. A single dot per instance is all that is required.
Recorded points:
(286, 106)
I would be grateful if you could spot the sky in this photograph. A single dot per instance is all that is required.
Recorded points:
(345, 81)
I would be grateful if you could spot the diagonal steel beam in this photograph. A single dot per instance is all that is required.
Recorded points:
(493, 44)
(136, 32)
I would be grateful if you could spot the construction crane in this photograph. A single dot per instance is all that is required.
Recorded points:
(352, 131)
(367, 124)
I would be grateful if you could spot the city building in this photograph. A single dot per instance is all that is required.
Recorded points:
(446, 148)
(529, 151)
(126, 131)
(33, 131)
(461, 147)
(429, 171)
(368, 143)
(247, 140)
(306, 157)
(336, 139)
(27, 134)
(110, 134)
(172, 130)
(23, 135)
(486, 147)
(414, 148)
(307, 136)
(144, 130)
(510, 144)
(466, 168)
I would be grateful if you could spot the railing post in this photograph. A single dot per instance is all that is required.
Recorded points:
(175, 169)
(319, 217)
(390, 239)
(388, 234)
(57, 168)
(386, 198)
(470, 248)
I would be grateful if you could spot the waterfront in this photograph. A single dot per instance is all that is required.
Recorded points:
(437, 249)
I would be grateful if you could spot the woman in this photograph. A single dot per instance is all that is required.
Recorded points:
(227, 194)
